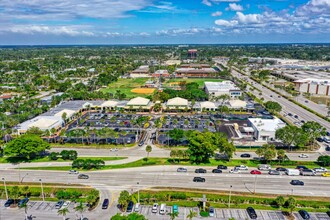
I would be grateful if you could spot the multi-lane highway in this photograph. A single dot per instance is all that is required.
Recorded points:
(287, 106)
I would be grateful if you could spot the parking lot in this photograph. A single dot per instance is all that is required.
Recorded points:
(196, 122)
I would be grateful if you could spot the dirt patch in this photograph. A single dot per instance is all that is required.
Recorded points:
(143, 90)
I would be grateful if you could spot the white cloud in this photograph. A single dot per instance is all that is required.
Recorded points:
(44, 29)
(234, 7)
(249, 18)
(314, 7)
(226, 23)
(207, 2)
(216, 14)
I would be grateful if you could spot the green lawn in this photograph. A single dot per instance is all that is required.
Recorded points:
(200, 81)
(125, 86)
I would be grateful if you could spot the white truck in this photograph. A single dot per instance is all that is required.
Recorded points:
(292, 172)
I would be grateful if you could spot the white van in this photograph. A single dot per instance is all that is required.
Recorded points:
(162, 209)
(137, 207)
(292, 172)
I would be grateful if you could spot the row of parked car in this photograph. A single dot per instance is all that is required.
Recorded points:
(20, 202)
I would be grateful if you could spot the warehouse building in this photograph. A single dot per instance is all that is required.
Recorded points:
(264, 129)
(215, 89)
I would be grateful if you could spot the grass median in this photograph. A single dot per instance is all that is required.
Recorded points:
(168, 161)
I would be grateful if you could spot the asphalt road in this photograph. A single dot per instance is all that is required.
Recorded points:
(287, 106)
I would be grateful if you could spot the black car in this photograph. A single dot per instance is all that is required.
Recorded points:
(141, 143)
(328, 213)
(296, 116)
(297, 183)
(83, 176)
(327, 148)
(59, 204)
(130, 206)
(319, 139)
(290, 114)
(301, 168)
(200, 170)
(304, 214)
(246, 155)
(222, 167)
(199, 179)
(252, 213)
(9, 202)
(281, 169)
(105, 204)
(216, 171)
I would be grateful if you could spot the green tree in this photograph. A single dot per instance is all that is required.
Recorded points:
(324, 160)
(313, 130)
(281, 154)
(280, 201)
(63, 212)
(173, 215)
(14, 192)
(148, 150)
(173, 154)
(123, 199)
(201, 147)
(136, 216)
(292, 135)
(267, 151)
(27, 146)
(34, 131)
(273, 106)
(291, 204)
(176, 134)
(80, 208)
(191, 214)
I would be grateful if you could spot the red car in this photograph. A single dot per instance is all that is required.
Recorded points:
(255, 172)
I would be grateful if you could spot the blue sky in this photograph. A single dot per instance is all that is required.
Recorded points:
(167, 21)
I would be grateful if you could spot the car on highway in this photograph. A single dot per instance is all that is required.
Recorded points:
(304, 214)
(303, 156)
(274, 172)
(105, 204)
(242, 167)
(255, 172)
(234, 171)
(9, 202)
(307, 172)
(282, 169)
(23, 202)
(211, 212)
(181, 169)
(199, 179)
(301, 167)
(326, 174)
(245, 155)
(216, 171)
(251, 212)
(154, 208)
(320, 169)
(264, 167)
(222, 167)
(73, 172)
(65, 204)
(200, 170)
(59, 204)
(130, 206)
(297, 183)
(83, 176)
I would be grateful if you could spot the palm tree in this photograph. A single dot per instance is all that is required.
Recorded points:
(173, 215)
(80, 208)
(63, 212)
(148, 149)
(25, 206)
(191, 214)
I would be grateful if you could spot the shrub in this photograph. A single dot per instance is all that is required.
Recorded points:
(69, 154)
(88, 164)
(53, 155)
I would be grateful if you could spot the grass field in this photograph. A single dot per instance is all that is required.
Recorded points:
(125, 86)
(200, 81)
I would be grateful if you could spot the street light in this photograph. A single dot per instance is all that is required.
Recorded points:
(24, 177)
(4, 183)
(138, 192)
(42, 190)
(229, 196)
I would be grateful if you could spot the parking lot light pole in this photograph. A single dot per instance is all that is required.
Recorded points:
(229, 196)
(4, 183)
(42, 190)
(138, 192)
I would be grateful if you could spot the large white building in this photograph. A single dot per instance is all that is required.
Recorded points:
(313, 86)
(264, 129)
(214, 89)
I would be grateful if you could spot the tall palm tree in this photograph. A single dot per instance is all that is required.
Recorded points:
(191, 214)
(80, 208)
(25, 206)
(173, 215)
(63, 212)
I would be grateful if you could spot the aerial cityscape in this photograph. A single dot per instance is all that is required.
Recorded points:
(165, 110)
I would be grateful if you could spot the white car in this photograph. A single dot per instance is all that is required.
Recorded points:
(73, 172)
(234, 171)
(154, 208)
(320, 170)
(241, 167)
(65, 205)
(303, 156)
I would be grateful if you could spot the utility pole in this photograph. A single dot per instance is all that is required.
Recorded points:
(42, 190)
(138, 192)
(255, 183)
(229, 196)
(4, 183)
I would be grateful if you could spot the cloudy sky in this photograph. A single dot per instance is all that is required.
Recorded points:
(168, 21)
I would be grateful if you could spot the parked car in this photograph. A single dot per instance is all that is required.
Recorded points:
(216, 171)
(328, 213)
(181, 169)
(154, 208)
(303, 156)
(23, 202)
(200, 170)
(304, 214)
(252, 213)
(327, 148)
(255, 172)
(162, 209)
(9, 202)
(130, 206)
(320, 169)
(65, 204)
(222, 167)
(245, 155)
(137, 207)
(105, 204)
(274, 172)
(175, 209)
(326, 174)
(83, 176)
(211, 212)
(281, 169)
(73, 172)
(59, 204)
(199, 179)
(141, 143)
(320, 139)
(297, 183)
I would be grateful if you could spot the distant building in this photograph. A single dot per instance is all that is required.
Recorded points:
(176, 103)
(141, 72)
(313, 86)
(264, 129)
(48, 99)
(192, 53)
(42, 122)
(161, 73)
(214, 89)
(139, 103)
